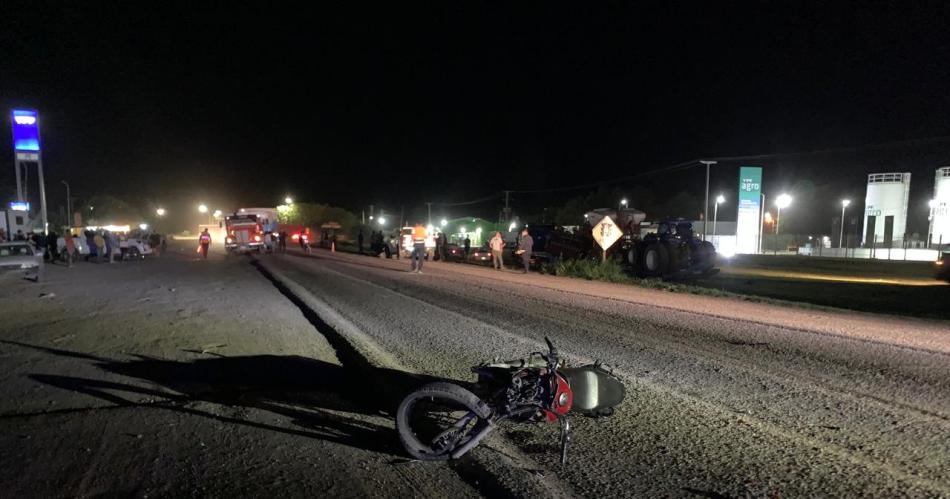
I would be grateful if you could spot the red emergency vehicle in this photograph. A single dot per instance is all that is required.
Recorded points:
(244, 233)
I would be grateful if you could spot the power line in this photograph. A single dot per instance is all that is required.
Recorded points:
(474, 201)
(721, 159)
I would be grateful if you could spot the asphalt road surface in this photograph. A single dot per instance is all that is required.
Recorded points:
(725, 397)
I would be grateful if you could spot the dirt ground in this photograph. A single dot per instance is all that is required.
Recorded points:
(177, 377)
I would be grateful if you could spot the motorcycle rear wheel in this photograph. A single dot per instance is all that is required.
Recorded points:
(437, 419)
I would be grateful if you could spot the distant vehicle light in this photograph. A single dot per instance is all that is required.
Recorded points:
(257, 238)
(228, 240)
(295, 237)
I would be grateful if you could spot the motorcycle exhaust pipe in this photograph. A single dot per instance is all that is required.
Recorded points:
(474, 440)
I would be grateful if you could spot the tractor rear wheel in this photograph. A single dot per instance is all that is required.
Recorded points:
(656, 260)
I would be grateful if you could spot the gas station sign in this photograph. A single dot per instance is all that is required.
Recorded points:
(26, 131)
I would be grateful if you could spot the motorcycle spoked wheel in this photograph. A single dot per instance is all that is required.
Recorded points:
(437, 419)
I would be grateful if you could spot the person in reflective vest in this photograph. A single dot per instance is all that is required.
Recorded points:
(204, 240)
(418, 248)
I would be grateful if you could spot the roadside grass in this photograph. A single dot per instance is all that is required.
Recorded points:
(915, 301)
(611, 271)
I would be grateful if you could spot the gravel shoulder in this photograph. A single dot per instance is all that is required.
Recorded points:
(177, 377)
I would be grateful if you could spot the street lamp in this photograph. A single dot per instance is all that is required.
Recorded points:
(217, 214)
(202, 208)
(382, 221)
(623, 203)
(444, 222)
(69, 206)
(782, 201)
(288, 200)
(160, 212)
(844, 204)
(719, 200)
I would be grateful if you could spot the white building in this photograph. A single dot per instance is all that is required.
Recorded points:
(885, 209)
(940, 209)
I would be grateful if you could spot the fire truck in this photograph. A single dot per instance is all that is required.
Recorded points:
(243, 233)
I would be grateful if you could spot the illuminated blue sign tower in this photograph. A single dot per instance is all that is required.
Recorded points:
(26, 147)
(26, 131)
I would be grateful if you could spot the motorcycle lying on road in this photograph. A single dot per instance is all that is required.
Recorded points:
(442, 421)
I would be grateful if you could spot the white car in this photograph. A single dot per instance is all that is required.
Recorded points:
(79, 242)
(19, 259)
(135, 247)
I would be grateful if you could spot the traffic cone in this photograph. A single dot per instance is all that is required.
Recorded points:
(332, 246)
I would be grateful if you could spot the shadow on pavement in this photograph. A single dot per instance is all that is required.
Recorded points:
(321, 400)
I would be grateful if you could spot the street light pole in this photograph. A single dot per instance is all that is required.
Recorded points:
(761, 221)
(429, 219)
(782, 201)
(844, 204)
(69, 209)
(719, 199)
(706, 204)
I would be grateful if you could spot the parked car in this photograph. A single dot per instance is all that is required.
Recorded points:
(454, 253)
(18, 259)
(480, 256)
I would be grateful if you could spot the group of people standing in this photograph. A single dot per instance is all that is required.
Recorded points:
(496, 244)
(523, 249)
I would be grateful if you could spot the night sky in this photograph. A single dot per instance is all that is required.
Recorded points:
(458, 100)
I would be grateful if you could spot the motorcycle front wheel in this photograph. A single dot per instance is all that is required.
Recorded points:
(437, 419)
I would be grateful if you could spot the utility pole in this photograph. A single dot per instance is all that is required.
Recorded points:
(507, 210)
(39, 170)
(429, 207)
(706, 204)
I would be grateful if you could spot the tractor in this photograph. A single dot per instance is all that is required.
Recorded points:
(672, 252)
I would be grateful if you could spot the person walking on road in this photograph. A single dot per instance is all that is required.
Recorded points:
(100, 245)
(282, 242)
(69, 248)
(525, 244)
(204, 241)
(467, 246)
(112, 245)
(497, 245)
(418, 248)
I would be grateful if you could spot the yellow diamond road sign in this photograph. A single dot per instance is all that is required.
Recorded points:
(606, 233)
